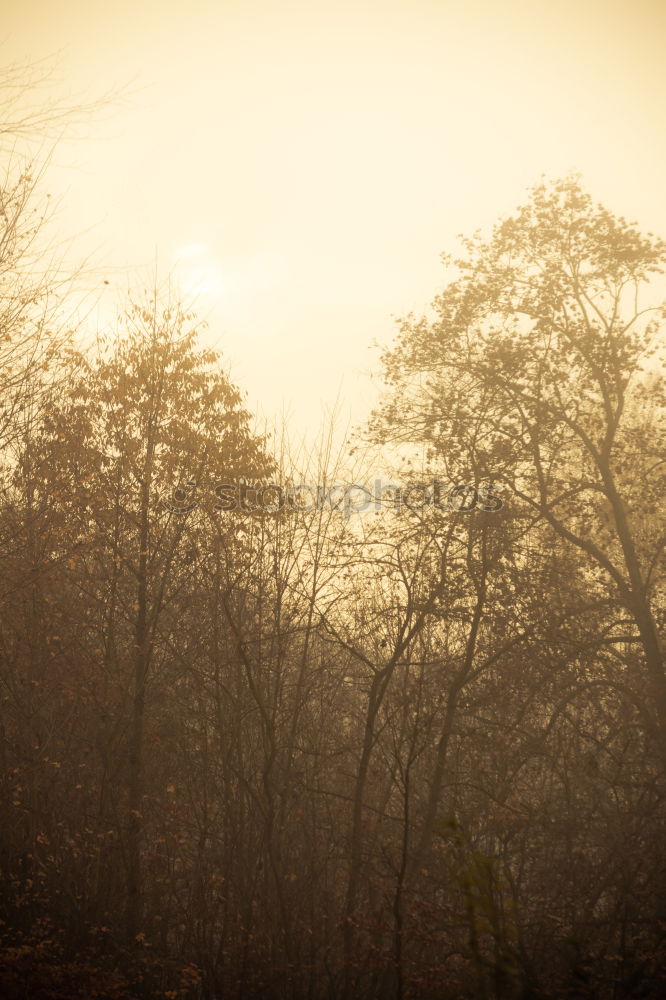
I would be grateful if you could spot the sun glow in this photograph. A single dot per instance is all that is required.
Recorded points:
(197, 272)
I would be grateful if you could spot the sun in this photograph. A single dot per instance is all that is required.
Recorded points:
(197, 272)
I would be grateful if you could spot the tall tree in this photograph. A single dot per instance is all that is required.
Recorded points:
(542, 372)
(152, 420)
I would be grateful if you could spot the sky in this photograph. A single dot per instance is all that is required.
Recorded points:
(298, 167)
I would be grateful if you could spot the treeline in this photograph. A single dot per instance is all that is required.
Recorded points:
(419, 754)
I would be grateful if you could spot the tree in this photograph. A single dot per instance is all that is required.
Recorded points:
(34, 280)
(542, 373)
(152, 413)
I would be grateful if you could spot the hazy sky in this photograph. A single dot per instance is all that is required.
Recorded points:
(303, 164)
